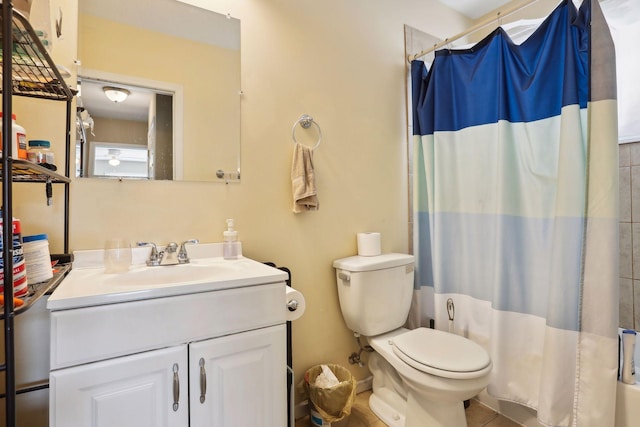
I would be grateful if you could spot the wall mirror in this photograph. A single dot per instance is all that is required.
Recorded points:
(176, 68)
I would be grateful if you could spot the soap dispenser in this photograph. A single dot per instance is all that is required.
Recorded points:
(231, 246)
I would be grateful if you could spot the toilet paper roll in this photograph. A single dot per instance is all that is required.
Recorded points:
(294, 304)
(369, 244)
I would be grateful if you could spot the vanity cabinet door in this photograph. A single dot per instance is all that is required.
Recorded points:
(239, 380)
(143, 390)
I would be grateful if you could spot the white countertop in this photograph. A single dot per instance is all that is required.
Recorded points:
(88, 285)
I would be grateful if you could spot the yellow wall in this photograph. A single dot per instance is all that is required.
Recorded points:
(341, 62)
(120, 131)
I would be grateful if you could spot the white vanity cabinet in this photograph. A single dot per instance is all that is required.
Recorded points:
(237, 380)
(231, 381)
(213, 357)
(136, 390)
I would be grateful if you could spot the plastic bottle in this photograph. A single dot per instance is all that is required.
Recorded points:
(230, 248)
(628, 349)
(39, 152)
(19, 138)
(37, 258)
(20, 285)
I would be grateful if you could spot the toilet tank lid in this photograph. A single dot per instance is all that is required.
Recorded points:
(369, 263)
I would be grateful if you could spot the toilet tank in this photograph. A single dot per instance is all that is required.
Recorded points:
(375, 291)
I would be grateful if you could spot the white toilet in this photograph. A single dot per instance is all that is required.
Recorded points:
(421, 377)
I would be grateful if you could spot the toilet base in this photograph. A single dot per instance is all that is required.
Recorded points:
(422, 413)
(423, 400)
(419, 414)
(389, 415)
(389, 398)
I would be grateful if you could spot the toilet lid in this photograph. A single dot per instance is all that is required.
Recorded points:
(429, 349)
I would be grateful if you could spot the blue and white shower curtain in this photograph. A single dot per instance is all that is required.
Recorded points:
(516, 211)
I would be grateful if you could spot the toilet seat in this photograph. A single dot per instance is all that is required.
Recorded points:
(442, 354)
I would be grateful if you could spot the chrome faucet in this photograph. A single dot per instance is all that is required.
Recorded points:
(169, 255)
(183, 257)
(154, 256)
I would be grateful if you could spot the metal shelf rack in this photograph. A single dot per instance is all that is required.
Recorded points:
(37, 290)
(32, 74)
(25, 171)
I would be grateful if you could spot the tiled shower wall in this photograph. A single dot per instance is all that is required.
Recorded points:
(630, 235)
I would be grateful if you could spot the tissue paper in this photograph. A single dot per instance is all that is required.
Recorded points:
(369, 244)
(327, 378)
(292, 295)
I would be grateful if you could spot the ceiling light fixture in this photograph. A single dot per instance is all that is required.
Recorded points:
(116, 94)
(114, 153)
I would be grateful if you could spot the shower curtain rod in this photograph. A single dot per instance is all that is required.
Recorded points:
(501, 14)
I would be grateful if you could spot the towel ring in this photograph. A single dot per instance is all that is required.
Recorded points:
(306, 121)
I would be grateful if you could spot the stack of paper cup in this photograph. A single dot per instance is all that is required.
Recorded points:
(369, 244)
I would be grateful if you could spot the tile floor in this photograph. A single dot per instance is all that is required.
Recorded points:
(478, 415)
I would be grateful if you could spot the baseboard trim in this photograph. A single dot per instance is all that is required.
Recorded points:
(302, 409)
(364, 384)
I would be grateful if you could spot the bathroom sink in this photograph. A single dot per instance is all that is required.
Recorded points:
(200, 270)
(91, 285)
(218, 264)
(176, 275)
